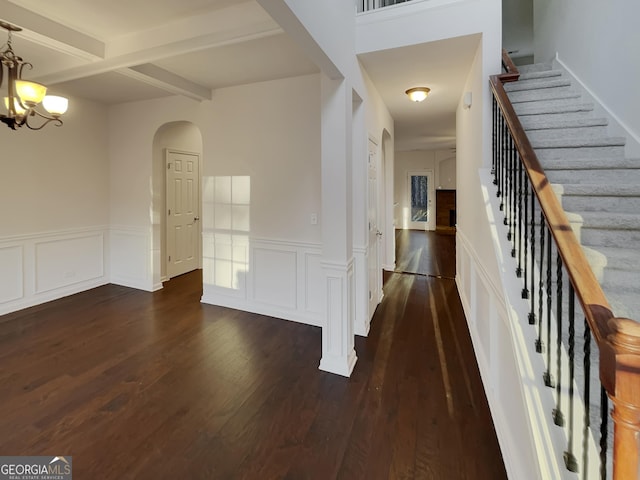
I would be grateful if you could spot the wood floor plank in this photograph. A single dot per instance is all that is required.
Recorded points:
(138, 385)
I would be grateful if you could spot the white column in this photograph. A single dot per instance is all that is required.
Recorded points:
(338, 354)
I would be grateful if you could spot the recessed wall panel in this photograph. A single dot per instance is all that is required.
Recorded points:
(11, 274)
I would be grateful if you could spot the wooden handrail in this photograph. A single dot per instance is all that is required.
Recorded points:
(618, 339)
(512, 73)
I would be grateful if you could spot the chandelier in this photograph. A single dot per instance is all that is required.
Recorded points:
(23, 96)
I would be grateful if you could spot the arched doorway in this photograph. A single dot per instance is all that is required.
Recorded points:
(178, 137)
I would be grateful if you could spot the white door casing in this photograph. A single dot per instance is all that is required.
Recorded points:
(183, 212)
(374, 265)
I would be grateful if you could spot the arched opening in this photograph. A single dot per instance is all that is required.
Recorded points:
(179, 137)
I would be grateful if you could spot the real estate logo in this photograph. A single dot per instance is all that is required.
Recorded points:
(36, 468)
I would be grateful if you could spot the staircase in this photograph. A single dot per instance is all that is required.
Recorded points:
(599, 187)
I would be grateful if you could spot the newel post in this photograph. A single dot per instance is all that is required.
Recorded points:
(624, 339)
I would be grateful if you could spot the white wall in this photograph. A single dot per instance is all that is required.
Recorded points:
(268, 132)
(54, 193)
(134, 243)
(600, 49)
(262, 252)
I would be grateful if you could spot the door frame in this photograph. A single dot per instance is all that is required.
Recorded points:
(374, 291)
(165, 224)
(430, 224)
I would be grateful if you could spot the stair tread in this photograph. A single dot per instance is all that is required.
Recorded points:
(552, 106)
(541, 74)
(603, 189)
(577, 142)
(542, 122)
(610, 220)
(536, 84)
(595, 163)
(529, 96)
(620, 253)
(624, 303)
(534, 67)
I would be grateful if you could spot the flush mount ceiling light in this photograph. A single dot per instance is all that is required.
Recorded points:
(418, 94)
(22, 96)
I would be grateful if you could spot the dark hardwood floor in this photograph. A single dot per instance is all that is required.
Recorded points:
(138, 385)
(426, 253)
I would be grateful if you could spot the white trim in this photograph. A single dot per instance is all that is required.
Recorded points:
(46, 266)
(299, 290)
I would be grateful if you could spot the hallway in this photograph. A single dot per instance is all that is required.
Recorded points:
(157, 385)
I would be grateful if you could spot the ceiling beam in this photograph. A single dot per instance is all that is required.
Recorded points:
(50, 33)
(159, 52)
(161, 78)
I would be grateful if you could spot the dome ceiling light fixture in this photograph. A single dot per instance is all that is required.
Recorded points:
(23, 96)
(418, 94)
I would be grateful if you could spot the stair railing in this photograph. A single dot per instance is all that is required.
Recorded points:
(367, 5)
(557, 282)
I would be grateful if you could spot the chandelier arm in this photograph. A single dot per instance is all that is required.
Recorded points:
(57, 123)
(33, 112)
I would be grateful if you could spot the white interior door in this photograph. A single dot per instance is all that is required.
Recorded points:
(183, 212)
(375, 268)
(420, 201)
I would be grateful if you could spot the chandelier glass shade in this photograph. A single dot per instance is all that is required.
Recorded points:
(418, 94)
(23, 97)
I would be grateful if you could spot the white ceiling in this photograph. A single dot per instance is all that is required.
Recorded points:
(115, 51)
(442, 66)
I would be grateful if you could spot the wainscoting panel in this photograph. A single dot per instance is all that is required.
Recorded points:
(281, 278)
(11, 273)
(313, 292)
(131, 257)
(41, 267)
(503, 341)
(64, 262)
(275, 277)
(362, 319)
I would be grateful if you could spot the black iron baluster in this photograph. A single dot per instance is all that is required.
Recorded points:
(508, 187)
(604, 432)
(548, 378)
(494, 135)
(525, 232)
(541, 284)
(558, 417)
(501, 159)
(513, 191)
(532, 314)
(569, 458)
(587, 400)
(514, 198)
(518, 218)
